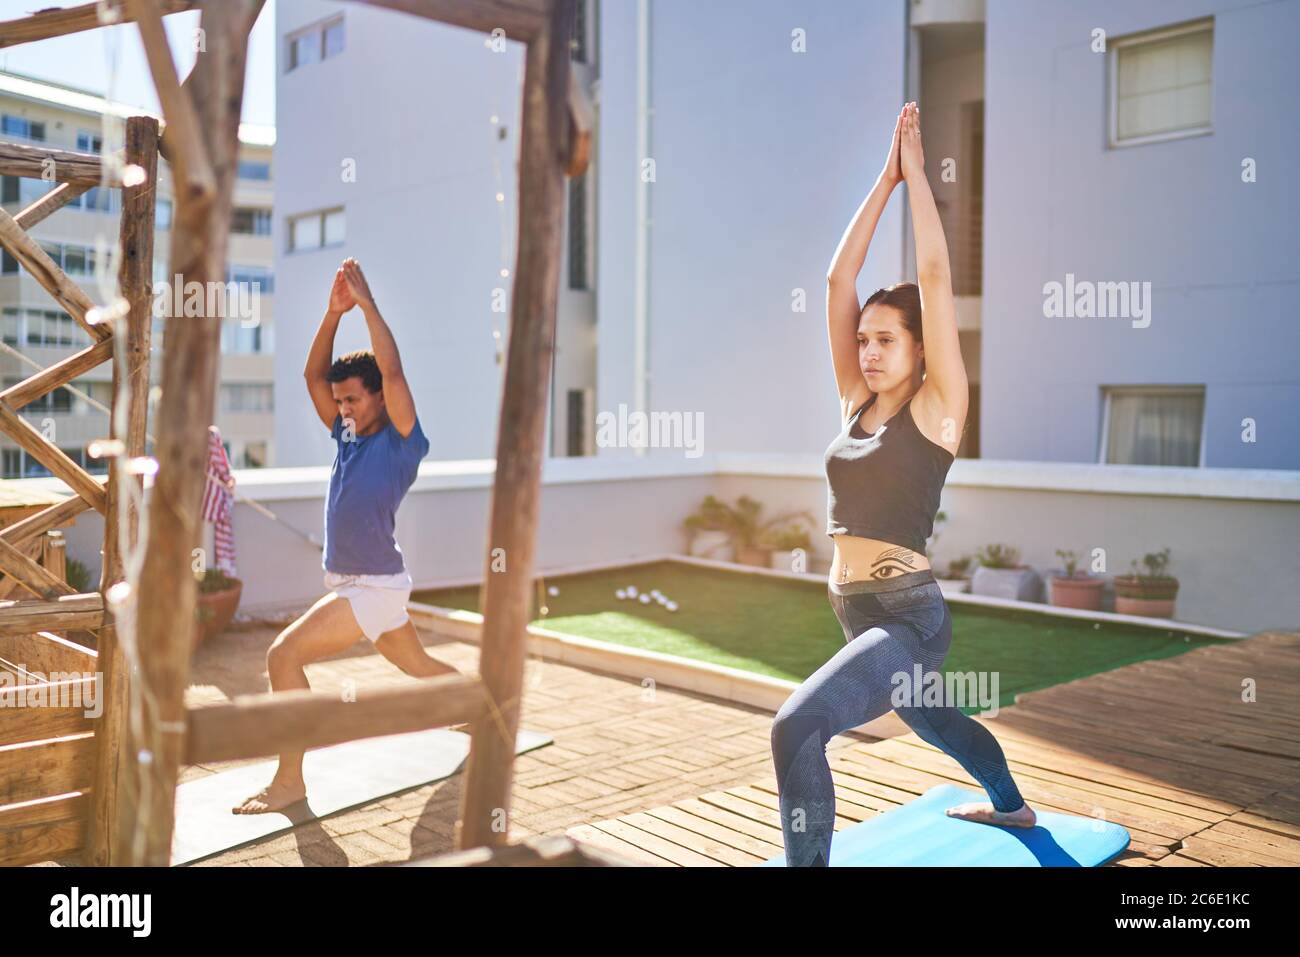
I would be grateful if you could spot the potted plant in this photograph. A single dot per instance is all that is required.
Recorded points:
(1153, 593)
(710, 530)
(784, 541)
(218, 600)
(957, 577)
(750, 536)
(1001, 575)
(1074, 589)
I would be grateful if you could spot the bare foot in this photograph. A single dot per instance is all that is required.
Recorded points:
(274, 797)
(985, 813)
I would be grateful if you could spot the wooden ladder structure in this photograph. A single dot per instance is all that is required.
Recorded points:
(126, 811)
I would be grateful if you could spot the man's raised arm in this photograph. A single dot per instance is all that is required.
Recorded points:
(321, 355)
(397, 395)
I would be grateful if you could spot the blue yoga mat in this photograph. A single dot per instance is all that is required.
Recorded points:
(920, 834)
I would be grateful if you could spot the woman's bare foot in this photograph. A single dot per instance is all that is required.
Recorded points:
(274, 797)
(986, 813)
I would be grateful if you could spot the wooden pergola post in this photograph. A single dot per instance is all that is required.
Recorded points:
(544, 158)
(109, 794)
(205, 112)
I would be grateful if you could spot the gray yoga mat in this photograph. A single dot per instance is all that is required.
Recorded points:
(338, 777)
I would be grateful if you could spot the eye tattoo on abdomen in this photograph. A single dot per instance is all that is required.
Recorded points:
(896, 561)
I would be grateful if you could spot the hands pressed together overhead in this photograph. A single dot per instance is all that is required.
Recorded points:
(906, 158)
(350, 288)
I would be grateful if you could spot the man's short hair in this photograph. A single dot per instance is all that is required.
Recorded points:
(361, 364)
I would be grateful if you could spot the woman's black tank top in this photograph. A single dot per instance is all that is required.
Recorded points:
(885, 485)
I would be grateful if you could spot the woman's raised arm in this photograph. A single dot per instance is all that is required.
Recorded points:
(945, 373)
(842, 306)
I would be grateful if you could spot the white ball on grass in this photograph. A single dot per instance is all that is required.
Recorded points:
(552, 591)
(645, 599)
(631, 591)
(672, 606)
(621, 594)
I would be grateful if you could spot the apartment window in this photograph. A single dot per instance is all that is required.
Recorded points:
(239, 339)
(13, 463)
(315, 230)
(10, 327)
(333, 39)
(88, 142)
(320, 41)
(261, 275)
(39, 327)
(578, 278)
(1160, 84)
(162, 214)
(250, 221)
(22, 127)
(254, 456)
(97, 198)
(8, 265)
(25, 190)
(254, 169)
(247, 397)
(1155, 425)
(60, 400)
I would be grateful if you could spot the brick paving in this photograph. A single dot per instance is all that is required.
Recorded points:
(618, 748)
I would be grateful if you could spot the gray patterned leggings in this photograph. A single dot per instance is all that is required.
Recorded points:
(890, 626)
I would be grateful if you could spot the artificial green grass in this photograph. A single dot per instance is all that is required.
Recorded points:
(786, 629)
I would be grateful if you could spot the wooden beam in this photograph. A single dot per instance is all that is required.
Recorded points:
(38, 524)
(71, 612)
(253, 726)
(38, 580)
(136, 238)
(520, 19)
(78, 479)
(191, 170)
(18, 159)
(56, 22)
(36, 261)
(61, 373)
(50, 203)
(521, 431)
(164, 613)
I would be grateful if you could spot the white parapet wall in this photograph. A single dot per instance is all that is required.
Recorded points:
(1231, 532)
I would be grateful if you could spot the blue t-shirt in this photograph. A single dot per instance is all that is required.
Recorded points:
(371, 473)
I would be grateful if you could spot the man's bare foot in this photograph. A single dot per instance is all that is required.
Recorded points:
(986, 813)
(274, 797)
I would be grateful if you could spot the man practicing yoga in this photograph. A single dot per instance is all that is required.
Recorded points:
(364, 401)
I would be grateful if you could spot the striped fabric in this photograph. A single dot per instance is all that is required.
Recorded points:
(219, 501)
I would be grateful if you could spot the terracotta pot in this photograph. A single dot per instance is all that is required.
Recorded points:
(1152, 597)
(760, 555)
(1081, 591)
(214, 611)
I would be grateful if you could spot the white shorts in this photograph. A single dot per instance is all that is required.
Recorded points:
(378, 601)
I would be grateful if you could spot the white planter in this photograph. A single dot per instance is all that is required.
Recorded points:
(783, 561)
(712, 544)
(958, 585)
(1017, 584)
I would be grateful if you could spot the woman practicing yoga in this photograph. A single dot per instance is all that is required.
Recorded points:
(363, 399)
(884, 471)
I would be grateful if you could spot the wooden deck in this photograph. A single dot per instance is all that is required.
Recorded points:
(1168, 749)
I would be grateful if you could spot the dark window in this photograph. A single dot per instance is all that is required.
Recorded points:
(578, 278)
(577, 418)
